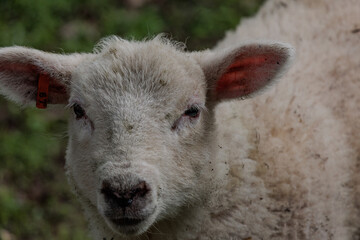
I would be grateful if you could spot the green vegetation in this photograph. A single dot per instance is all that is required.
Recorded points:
(35, 200)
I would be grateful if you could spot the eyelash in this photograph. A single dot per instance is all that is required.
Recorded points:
(192, 112)
(79, 111)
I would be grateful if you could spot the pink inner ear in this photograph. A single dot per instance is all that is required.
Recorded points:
(31, 73)
(247, 74)
(24, 77)
(17, 68)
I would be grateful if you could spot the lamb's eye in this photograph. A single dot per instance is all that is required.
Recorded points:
(192, 112)
(79, 111)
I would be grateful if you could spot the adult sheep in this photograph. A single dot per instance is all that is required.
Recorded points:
(144, 156)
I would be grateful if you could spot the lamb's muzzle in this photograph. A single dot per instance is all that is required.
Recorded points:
(126, 205)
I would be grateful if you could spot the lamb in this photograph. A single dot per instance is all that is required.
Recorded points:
(159, 147)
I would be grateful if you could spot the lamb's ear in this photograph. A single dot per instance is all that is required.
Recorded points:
(29, 75)
(243, 71)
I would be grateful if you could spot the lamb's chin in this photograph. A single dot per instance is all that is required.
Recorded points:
(128, 229)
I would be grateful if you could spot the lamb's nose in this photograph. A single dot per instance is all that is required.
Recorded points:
(124, 197)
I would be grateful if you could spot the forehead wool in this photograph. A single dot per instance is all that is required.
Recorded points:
(153, 71)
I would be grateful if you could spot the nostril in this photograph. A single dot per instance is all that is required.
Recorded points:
(140, 190)
(107, 190)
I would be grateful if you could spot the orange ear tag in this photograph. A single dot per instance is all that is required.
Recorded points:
(43, 91)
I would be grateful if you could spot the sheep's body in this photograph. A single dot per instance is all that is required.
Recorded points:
(306, 129)
(145, 164)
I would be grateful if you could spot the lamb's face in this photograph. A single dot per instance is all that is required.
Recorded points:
(137, 144)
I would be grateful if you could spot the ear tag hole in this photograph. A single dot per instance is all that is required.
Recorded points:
(43, 91)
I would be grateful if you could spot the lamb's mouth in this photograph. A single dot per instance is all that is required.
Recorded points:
(129, 222)
(129, 225)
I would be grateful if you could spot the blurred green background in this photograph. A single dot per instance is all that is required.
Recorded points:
(35, 200)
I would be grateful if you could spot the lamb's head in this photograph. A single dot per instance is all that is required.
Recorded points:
(136, 134)
(140, 128)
